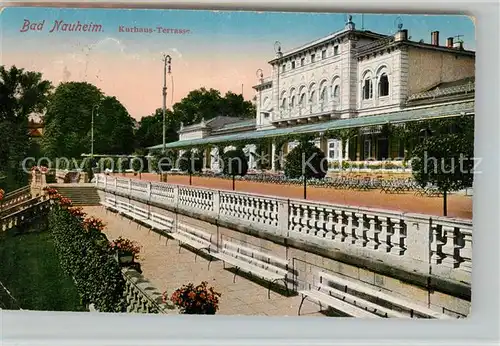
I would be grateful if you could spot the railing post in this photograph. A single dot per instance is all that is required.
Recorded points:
(216, 203)
(283, 216)
(418, 240)
(176, 196)
(149, 191)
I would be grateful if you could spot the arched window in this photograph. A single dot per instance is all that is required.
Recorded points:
(324, 96)
(367, 88)
(336, 91)
(312, 98)
(383, 85)
(283, 103)
(292, 102)
(302, 100)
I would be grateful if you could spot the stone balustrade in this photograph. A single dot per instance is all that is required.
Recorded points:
(25, 213)
(14, 198)
(142, 297)
(416, 243)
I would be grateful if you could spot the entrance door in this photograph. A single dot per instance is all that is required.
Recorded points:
(383, 149)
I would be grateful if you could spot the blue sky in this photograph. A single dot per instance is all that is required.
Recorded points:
(223, 49)
(291, 29)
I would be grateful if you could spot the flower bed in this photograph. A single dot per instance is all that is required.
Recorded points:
(190, 299)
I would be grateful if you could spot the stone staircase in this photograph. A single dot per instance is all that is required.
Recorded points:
(79, 194)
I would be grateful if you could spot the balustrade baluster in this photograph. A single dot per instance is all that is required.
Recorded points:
(465, 251)
(397, 238)
(360, 230)
(449, 246)
(312, 228)
(320, 224)
(349, 229)
(372, 233)
(339, 226)
(384, 235)
(329, 225)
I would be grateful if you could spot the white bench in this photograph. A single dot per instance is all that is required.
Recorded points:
(260, 264)
(376, 295)
(109, 203)
(194, 238)
(138, 213)
(160, 222)
(349, 304)
(124, 208)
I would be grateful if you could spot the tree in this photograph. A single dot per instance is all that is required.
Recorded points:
(234, 105)
(191, 162)
(21, 94)
(68, 122)
(445, 154)
(150, 131)
(235, 163)
(307, 161)
(113, 128)
(197, 105)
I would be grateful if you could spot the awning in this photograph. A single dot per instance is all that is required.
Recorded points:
(407, 115)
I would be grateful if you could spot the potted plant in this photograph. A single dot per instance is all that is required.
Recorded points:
(191, 299)
(125, 250)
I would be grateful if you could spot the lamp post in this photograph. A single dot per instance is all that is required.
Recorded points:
(166, 67)
(279, 54)
(96, 107)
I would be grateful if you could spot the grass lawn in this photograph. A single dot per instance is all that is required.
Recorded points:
(30, 270)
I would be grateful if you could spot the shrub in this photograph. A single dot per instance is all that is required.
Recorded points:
(199, 300)
(306, 159)
(86, 258)
(191, 162)
(125, 245)
(235, 163)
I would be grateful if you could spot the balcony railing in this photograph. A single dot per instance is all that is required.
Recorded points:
(307, 111)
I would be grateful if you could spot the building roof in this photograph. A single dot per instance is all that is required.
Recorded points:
(410, 114)
(463, 88)
(232, 127)
(212, 124)
(325, 39)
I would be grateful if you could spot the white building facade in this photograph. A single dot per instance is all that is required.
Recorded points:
(353, 75)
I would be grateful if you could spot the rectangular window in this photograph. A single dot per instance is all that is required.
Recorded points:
(367, 89)
(323, 54)
(283, 68)
(313, 57)
(367, 149)
(293, 65)
(302, 61)
(336, 50)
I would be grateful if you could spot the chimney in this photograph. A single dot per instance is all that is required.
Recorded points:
(435, 38)
(449, 42)
(401, 35)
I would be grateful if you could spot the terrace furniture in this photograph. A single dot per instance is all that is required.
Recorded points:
(257, 263)
(370, 303)
(194, 238)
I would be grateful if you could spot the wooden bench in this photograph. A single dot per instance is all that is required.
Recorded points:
(372, 293)
(194, 238)
(257, 263)
(160, 222)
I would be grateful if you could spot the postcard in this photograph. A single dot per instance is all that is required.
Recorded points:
(236, 163)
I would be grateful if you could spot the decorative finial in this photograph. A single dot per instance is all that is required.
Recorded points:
(350, 18)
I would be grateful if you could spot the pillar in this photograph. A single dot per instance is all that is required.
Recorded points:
(273, 154)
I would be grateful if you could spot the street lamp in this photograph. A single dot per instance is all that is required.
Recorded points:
(166, 67)
(279, 55)
(96, 107)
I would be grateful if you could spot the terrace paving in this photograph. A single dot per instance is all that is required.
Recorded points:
(167, 269)
(459, 206)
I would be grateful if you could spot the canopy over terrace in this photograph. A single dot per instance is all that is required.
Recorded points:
(403, 116)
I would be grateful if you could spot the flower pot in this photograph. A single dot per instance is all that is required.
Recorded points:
(125, 257)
